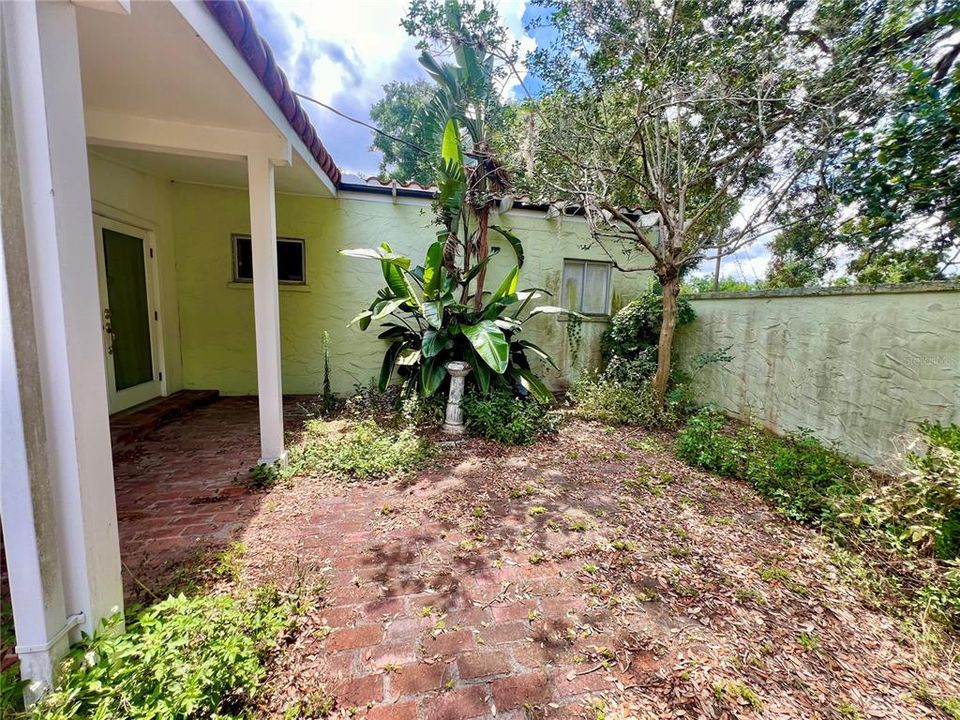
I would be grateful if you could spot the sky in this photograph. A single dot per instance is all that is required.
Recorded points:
(342, 52)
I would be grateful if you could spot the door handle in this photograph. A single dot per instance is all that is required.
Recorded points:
(108, 329)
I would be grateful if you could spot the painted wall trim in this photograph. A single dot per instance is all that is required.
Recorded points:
(915, 287)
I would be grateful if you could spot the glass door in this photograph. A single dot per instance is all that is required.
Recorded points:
(128, 316)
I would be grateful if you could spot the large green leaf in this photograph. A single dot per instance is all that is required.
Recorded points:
(508, 286)
(433, 343)
(389, 357)
(475, 270)
(363, 319)
(395, 280)
(384, 254)
(481, 371)
(450, 148)
(552, 310)
(514, 242)
(385, 307)
(408, 356)
(538, 351)
(532, 383)
(431, 269)
(393, 332)
(432, 373)
(493, 309)
(490, 343)
(525, 296)
(433, 313)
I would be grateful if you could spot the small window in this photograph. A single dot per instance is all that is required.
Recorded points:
(291, 265)
(586, 286)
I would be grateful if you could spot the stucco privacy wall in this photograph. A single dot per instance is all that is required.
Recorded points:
(127, 195)
(858, 366)
(216, 315)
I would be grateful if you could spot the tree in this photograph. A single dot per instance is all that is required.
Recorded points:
(432, 316)
(688, 130)
(459, 119)
(397, 113)
(888, 194)
(663, 119)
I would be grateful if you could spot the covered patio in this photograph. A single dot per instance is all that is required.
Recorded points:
(104, 105)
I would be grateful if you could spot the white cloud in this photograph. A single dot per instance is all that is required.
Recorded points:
(342, 52)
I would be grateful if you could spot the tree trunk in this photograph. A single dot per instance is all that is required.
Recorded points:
(671, 288)
(483, 250)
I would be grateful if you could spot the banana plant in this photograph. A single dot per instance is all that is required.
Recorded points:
(469, 176)
(427, 324)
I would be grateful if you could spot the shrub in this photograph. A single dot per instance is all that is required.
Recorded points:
(704, 443)
(636, 326)
(925, 499)
(397, 404)
(365, 450)
(183, 657)
(505, 418)
(806, 480)
(622, 394)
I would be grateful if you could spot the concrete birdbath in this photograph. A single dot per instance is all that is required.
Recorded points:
(453, 422)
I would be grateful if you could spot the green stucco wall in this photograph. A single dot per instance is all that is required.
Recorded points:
(859, 367)
(216, 315)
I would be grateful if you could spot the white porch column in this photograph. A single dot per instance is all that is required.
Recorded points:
(26, 501)
(47, 107)
(266, 306)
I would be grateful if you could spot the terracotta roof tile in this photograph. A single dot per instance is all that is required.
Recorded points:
(235, 19)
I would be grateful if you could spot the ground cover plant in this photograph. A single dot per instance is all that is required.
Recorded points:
(503, 417)
(359, 450)
(183, 657)
(621, 394)
(903, 528)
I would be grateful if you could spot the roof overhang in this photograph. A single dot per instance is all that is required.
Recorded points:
(165, 81)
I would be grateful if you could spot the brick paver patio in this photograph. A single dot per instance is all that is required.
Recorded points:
(593, 576)
(416, 624)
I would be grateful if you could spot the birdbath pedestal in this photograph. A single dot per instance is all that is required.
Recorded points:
(453, 423)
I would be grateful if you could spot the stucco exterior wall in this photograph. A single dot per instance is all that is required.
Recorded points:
(127, 195)
(216, 314)
(859, 367)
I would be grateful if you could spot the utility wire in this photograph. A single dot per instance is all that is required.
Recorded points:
(361, 122)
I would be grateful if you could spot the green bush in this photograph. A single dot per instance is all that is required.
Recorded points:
(181, 658)
(622, 394)
(925, 499)
(365, 450)
(806, 480)
(505, 418)
(703, 442)
(636, 327)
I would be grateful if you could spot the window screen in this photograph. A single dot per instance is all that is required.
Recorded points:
(586, 286)
(290, 260)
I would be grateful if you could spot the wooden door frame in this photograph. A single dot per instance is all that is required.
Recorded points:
(108, 218)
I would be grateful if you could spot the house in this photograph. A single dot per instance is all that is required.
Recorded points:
(155, 160)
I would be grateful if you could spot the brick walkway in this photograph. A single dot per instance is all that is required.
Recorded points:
(419, 626)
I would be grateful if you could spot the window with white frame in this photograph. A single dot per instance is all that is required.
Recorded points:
(291, 260)
(585, 286)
